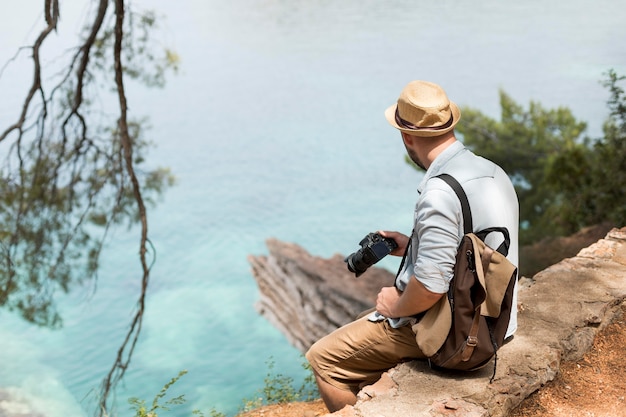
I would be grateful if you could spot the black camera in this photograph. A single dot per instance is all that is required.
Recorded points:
(374, 247)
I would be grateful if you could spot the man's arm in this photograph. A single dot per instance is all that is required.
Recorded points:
(392, 303)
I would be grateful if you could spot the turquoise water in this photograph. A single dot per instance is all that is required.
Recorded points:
(275, 128)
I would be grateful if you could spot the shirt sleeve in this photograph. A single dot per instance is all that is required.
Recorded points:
(437, 225)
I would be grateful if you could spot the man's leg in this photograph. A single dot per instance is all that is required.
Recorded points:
(356, 355)
(334, 398)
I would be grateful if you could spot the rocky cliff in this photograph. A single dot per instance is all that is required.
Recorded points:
(307, 297)
(560, 311)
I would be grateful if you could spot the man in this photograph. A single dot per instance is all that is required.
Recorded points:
(358, 353)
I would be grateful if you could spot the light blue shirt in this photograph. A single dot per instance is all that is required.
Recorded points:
(438, 220)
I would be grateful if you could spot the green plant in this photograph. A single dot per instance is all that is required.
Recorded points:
(279, 388)
(308, 391)
(140, 406)
(214, 413)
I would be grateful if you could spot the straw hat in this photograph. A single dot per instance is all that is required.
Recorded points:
(423, 109)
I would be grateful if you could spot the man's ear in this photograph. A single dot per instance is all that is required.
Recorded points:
(408, 139)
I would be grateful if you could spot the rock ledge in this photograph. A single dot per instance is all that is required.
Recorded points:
(560, 311)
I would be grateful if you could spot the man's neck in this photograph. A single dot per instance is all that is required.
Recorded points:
(431, 150)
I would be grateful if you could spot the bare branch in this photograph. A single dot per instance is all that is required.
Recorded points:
(123, 358)
(52, 19)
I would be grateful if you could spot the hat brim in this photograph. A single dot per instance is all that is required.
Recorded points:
(390, 114)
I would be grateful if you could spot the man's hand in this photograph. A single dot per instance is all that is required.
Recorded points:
(401, 239)
(386, 301)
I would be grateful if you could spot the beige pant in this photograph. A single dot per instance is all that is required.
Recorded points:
(358, 353)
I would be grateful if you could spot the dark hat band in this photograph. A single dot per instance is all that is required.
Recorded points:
(408, 125)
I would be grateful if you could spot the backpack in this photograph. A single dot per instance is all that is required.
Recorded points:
(478, 304)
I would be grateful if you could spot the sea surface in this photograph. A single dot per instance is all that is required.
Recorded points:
(274, 127)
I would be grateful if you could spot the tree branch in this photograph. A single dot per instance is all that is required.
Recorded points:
(123, 358)
(52, 17)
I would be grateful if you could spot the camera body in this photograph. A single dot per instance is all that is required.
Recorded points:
(374, 247)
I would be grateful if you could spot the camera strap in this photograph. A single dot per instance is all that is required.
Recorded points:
(417, 316)
(406, 252)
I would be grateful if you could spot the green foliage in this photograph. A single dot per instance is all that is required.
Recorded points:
(279, 388)
(526, 144)
(50, 208)
(141, 408)
(214, 413)
(564, 180)
(144, 60)
(608, 179)
(590, 182)
(64, 179)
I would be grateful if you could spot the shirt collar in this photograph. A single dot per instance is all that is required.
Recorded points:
(440, 162)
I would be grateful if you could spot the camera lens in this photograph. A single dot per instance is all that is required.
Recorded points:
(359, 261)
(373, 248)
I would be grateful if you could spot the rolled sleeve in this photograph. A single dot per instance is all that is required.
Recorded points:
(437, 227)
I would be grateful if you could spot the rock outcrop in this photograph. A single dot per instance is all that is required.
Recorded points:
(307, 297)
(560, 311)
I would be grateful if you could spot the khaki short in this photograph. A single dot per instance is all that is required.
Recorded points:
(358, 353)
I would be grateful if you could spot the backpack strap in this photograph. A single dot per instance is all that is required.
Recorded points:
(467, 215)
(468, 226)
(504, 246)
